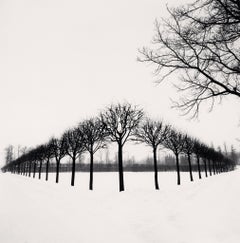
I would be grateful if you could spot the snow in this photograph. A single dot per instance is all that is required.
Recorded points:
(36, 211)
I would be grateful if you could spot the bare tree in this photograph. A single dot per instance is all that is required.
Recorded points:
(120, 120)
(203, 151)
(233, 154)
(175, 142)
(153, 133)
(188, 149)
(199, 42)
(59, 151)
(9, 154)
(23, 150)
(33, 159)
(196, 150)
(220, 16)
(74, 145)
(94, 137)
(41, 154)
(49, 153)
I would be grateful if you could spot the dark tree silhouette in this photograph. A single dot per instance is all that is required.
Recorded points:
(120, 121)
(29, 168)
(203, 150)
(34, 167)
(40, 154)
(196, 150)
(199, 42)
(210, 154)
(49, 153)
(94, 137)
(33, 159)
(188, 149)
(175, 142)
(74, 147)
(59, 151)
(153, 133)
(222, 17)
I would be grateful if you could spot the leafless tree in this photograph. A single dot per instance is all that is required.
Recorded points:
(188, 149)
(49, 153)
(94, 137)
(203, 151)
(196, 150)
(175, 142)
(153, 133)
(9, 154)
(200, 43)
(20, 150)
(120, 121)
(59, 151)
(40, 155)
(210, 152)
(33, 159)
(74, 145)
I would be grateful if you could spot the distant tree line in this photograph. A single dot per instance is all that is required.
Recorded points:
(119, 123)
(11, 152)
(167, 164)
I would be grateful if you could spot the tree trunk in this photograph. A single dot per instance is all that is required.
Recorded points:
(220, 166)
(178, 170)
(34, 169)
(21, 169)
(40, 170)
(209, 167)
(91, 171)
(120, 167)
(155, 168)
(190, 166)
(29, 169)
(24, 169)
(214, 168)
(73, 170)
(199, 169)
(57, 170)
(205, 167)
(47, 169)
(217, 167)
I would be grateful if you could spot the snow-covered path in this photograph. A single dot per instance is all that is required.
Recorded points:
(205, 211)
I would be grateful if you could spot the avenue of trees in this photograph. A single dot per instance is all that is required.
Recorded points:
(119, 123)
(199, 43)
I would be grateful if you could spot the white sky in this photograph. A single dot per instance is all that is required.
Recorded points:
(64, 60)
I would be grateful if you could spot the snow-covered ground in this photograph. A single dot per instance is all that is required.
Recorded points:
(203, 211)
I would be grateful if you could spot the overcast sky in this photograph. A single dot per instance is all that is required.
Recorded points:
(64, 60)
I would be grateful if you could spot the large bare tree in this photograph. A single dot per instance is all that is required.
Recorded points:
(153, 133)
(199, 42)
(94, 137)
(120, 121)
